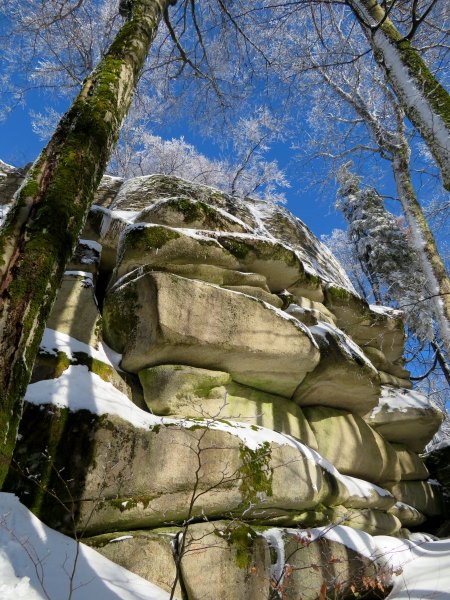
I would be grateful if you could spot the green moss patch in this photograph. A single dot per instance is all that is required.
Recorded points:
(240, 537)
(256, 472)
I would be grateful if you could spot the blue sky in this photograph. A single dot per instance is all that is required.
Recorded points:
(19, 146)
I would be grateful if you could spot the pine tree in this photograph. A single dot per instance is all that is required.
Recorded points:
(386, 257)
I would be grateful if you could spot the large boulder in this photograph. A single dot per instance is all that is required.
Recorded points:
(123, 476)
(75, 311)
(148, 553)
(182, 391)
(425, 496)
(344, 378)
(184, 212)
(235, 557)
(405, 417)
(159, 318)
(378, 327)
(364, 454)
(141, 193)
(411, 465)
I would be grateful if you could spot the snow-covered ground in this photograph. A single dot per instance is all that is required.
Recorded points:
(420, 568)
(37, 563)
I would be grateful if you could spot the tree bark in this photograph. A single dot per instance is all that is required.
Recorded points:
(51, 206)
(423, 241)
(442, 361)
(397, 148)
(425, 101)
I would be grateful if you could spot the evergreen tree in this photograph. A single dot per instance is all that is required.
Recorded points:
(383, 250)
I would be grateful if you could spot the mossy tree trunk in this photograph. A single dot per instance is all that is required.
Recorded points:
(425, 101)
(51, 206)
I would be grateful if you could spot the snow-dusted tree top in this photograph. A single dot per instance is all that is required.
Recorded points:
(387, 258)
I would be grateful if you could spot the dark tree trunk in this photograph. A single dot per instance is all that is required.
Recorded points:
(52, 204)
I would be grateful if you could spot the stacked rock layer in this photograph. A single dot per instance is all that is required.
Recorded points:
(209, 369)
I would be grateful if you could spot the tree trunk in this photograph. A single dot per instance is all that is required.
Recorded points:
(423, 241)
(425, 101)
(442, 361)
(52, 204)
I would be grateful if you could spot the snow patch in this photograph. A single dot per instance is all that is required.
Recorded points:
(346, 344)
(4, 210)
(37, 563)
(92, 245)
(55, 341)
(401, 400)
(386, 311)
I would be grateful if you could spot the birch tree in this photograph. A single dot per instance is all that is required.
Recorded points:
(395, 147)
(43, 226)
(363, 102)
(424, 100)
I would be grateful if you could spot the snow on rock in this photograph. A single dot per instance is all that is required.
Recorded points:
(269, 221)
(113, 219)
(37, 563)
(91, 244)
(56, 341)
(387, 311)
(4, 210)
(402, 400)
(77, 388)
(348, 346)
(419, 568)
(275, 540)
(88, 278)
(354, 539)
(423, 567)
(80, 389)
(362, 488)
(405, 416)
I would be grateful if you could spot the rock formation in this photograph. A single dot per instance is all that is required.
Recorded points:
(209, 386)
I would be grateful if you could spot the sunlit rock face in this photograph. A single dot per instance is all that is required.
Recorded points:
(208, 369)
